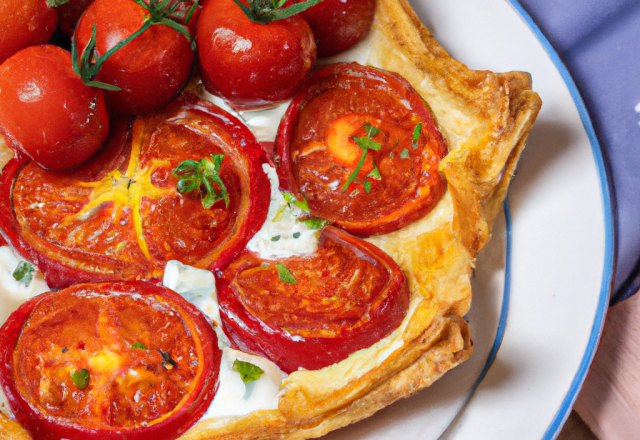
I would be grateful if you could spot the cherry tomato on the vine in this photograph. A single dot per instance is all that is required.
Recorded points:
(249, 64)
(24, 23)
(151, 69)
(338, 25)
(47, 112)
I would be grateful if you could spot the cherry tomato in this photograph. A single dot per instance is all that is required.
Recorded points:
(121, 217)
(47, 112)
(108, 361)
(337, 25)
(151, 70)
(344, 297)
(69, 14)
(252, 65)
(24, 23)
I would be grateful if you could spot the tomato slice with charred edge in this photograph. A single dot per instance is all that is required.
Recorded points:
(319, 152)
(347, 296)
(120, 216)
(152, 362)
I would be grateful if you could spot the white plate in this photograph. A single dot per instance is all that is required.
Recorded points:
(547, 271)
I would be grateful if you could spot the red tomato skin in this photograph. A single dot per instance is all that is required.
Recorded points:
(339, 24)
(47, 112)
(24, 23)
(42, 427)
(151, 70)
(252, 65)
(249, 333)
(70, 13)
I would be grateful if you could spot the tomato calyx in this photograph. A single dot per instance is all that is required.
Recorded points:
(160, 13)
(266, 11)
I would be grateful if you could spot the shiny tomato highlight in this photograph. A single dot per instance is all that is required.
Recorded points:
(120, 216)
(345, 297)
(341, 109)
(108, 361)
(252, 65)
(151, 69)
(46, 111)
(24, 23)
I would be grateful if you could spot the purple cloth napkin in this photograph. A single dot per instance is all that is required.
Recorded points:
(599, 41)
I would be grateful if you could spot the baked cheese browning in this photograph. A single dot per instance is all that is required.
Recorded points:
(344, 297)
(121, 216)
(362, 147)
(118, 339)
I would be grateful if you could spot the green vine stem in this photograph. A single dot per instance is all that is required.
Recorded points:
(266, 11)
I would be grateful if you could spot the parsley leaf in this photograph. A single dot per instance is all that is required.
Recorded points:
(24, 272)
(284, 274)
(205, 173)
(367, 186)
(296, 235)
(416, 135)
(276, 238)
(80, 378)
(290, 198)
(365, 143)
(314, 223)
(404, 154)
(139, 346)
(375, 173)
(248, 371)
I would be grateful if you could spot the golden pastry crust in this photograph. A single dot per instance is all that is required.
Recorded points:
(485, 118)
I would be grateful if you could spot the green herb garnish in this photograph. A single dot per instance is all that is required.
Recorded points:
(284, 274)
(80, 378)
(367, 186)
(290, 198)
(248, 372)
(193, 175)
(314, 223)
(404, 154)
(139, 346)
(24, 272)
(296, 235)
(366, 143)
(416, 135)
(266, 11)
(159, 13)
(375, 173)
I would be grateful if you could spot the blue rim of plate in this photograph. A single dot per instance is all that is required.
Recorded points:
(609, 258)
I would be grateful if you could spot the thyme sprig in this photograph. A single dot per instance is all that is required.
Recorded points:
(366, 143)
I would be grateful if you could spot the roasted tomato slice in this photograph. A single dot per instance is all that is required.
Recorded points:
(108, 361)
(120, 216)
(313, 311)
(343, 111)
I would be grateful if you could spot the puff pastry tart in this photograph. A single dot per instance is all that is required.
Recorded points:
(419, 148)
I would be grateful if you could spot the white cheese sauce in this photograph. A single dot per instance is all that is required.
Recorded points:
(282, 235)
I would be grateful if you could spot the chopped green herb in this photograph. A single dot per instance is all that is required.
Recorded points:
(290, 198)
(375, 173)
(194, 174)
(296, 235)
(284, 274)
(391, 154)
(365, 143)
(139, 346)
(80, 378)
(248, 371)
(416, 135)
(276, 238)
(367, 186)
(404, 154)
(314, 223)
(24, 272)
